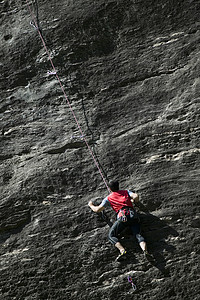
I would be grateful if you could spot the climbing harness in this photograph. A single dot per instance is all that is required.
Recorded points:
(122, 216)
(35, 25)
(131, 281)
(126, 211)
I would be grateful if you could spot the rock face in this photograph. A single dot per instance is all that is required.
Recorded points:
(131, 71)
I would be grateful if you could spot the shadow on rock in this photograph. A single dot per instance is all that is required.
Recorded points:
(156, 232)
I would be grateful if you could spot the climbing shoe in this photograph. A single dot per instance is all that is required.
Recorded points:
(121, 256)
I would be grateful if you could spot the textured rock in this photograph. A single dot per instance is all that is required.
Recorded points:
(131, 72)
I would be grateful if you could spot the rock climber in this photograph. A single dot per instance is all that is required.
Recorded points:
(121, 201)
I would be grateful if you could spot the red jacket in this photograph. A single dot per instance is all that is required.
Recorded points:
(119, 199)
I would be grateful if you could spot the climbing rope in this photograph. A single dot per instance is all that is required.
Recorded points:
(36, 27)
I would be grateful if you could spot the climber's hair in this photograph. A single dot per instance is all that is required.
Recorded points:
(114, 185)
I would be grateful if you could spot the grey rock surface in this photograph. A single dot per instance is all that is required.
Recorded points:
(130, 70)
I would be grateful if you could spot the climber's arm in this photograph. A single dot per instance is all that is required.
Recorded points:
(96, 208)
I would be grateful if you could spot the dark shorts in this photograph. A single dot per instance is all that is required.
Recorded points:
(132, 221)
